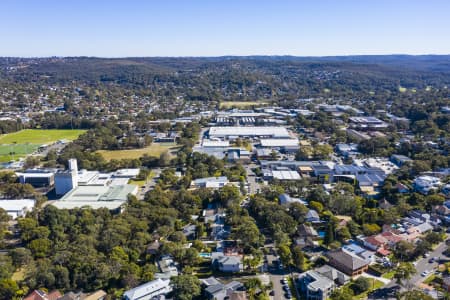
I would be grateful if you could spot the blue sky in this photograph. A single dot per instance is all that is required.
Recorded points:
(229, 27)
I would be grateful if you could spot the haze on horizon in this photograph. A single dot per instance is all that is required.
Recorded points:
(211, 28)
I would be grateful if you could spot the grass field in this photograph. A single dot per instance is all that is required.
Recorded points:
(154, 149)
(27, 141)
(39, 136)
(241, 104)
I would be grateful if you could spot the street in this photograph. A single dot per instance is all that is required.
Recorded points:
(389, 291)
(148, 185)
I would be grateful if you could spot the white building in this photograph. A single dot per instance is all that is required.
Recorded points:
(424, 184)
(210, 182)
(65, 181)
(234, 132)
(149, 290)
(17, 208)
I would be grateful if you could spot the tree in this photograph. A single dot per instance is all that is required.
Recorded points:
(404, 272)
(360, 285)
(164, 159)
(185, 287)
(329, 234)
(285, 255)
(344, 293)
(299, 258)
(8, 289)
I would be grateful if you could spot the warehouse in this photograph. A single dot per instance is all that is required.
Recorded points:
(284, 145)
(248, 132)
(110, 197)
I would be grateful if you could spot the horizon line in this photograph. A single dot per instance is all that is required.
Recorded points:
(226, 55)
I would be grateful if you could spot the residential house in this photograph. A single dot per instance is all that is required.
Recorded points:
(227, 263)
(318, 284)
(312, 216)
(97, 295)
(285, 199)
(314, 286)
(400, 160)
(149, 290)
(214, 289)
(347, 263)
(41, 295)
(167, 267)
(306, 236)
(190, 232)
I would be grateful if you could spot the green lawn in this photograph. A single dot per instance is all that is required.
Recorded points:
(19, 144)
(388, 275)
(154, 149)
(140, 183)
(375, 284)
(40, 136)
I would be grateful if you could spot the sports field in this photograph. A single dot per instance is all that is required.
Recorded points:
(154, 149)
(18, 144)
(241, 104)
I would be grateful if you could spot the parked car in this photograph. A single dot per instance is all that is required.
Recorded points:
(425, 273)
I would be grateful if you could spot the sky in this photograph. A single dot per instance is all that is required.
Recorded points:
(112, 28)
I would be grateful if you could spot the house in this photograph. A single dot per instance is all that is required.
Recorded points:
(97, 295)
(41, 295)
(401, 188)
(149, 290)
(315, 286)
(347, 263)
(190, 232)
(214, 289)
(285, 199)
(307, 231)
(153, 248)
(225, 263)
(306, 236)
(312, 216)
(167, 267)
(400, 160)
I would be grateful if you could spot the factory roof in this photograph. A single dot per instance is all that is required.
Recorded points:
(279, 142)
(111, 197)
(279, 132)
(286, 175)
(213, 144)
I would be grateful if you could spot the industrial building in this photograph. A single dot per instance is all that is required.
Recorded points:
(110, 197)
(248, 132)
(37, 178)
(17, 207)
(283, 145)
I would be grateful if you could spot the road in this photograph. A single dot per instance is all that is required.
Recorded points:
(253, 186)
(423, 264)
(148, 185)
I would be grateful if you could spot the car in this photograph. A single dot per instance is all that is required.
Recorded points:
(272, 293)
(431, 260)
(425, 273)
(426, 255)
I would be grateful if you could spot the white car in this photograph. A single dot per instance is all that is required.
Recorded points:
(425, 273)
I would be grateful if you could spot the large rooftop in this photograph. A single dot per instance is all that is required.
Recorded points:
(249, 131)
(111, 197)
